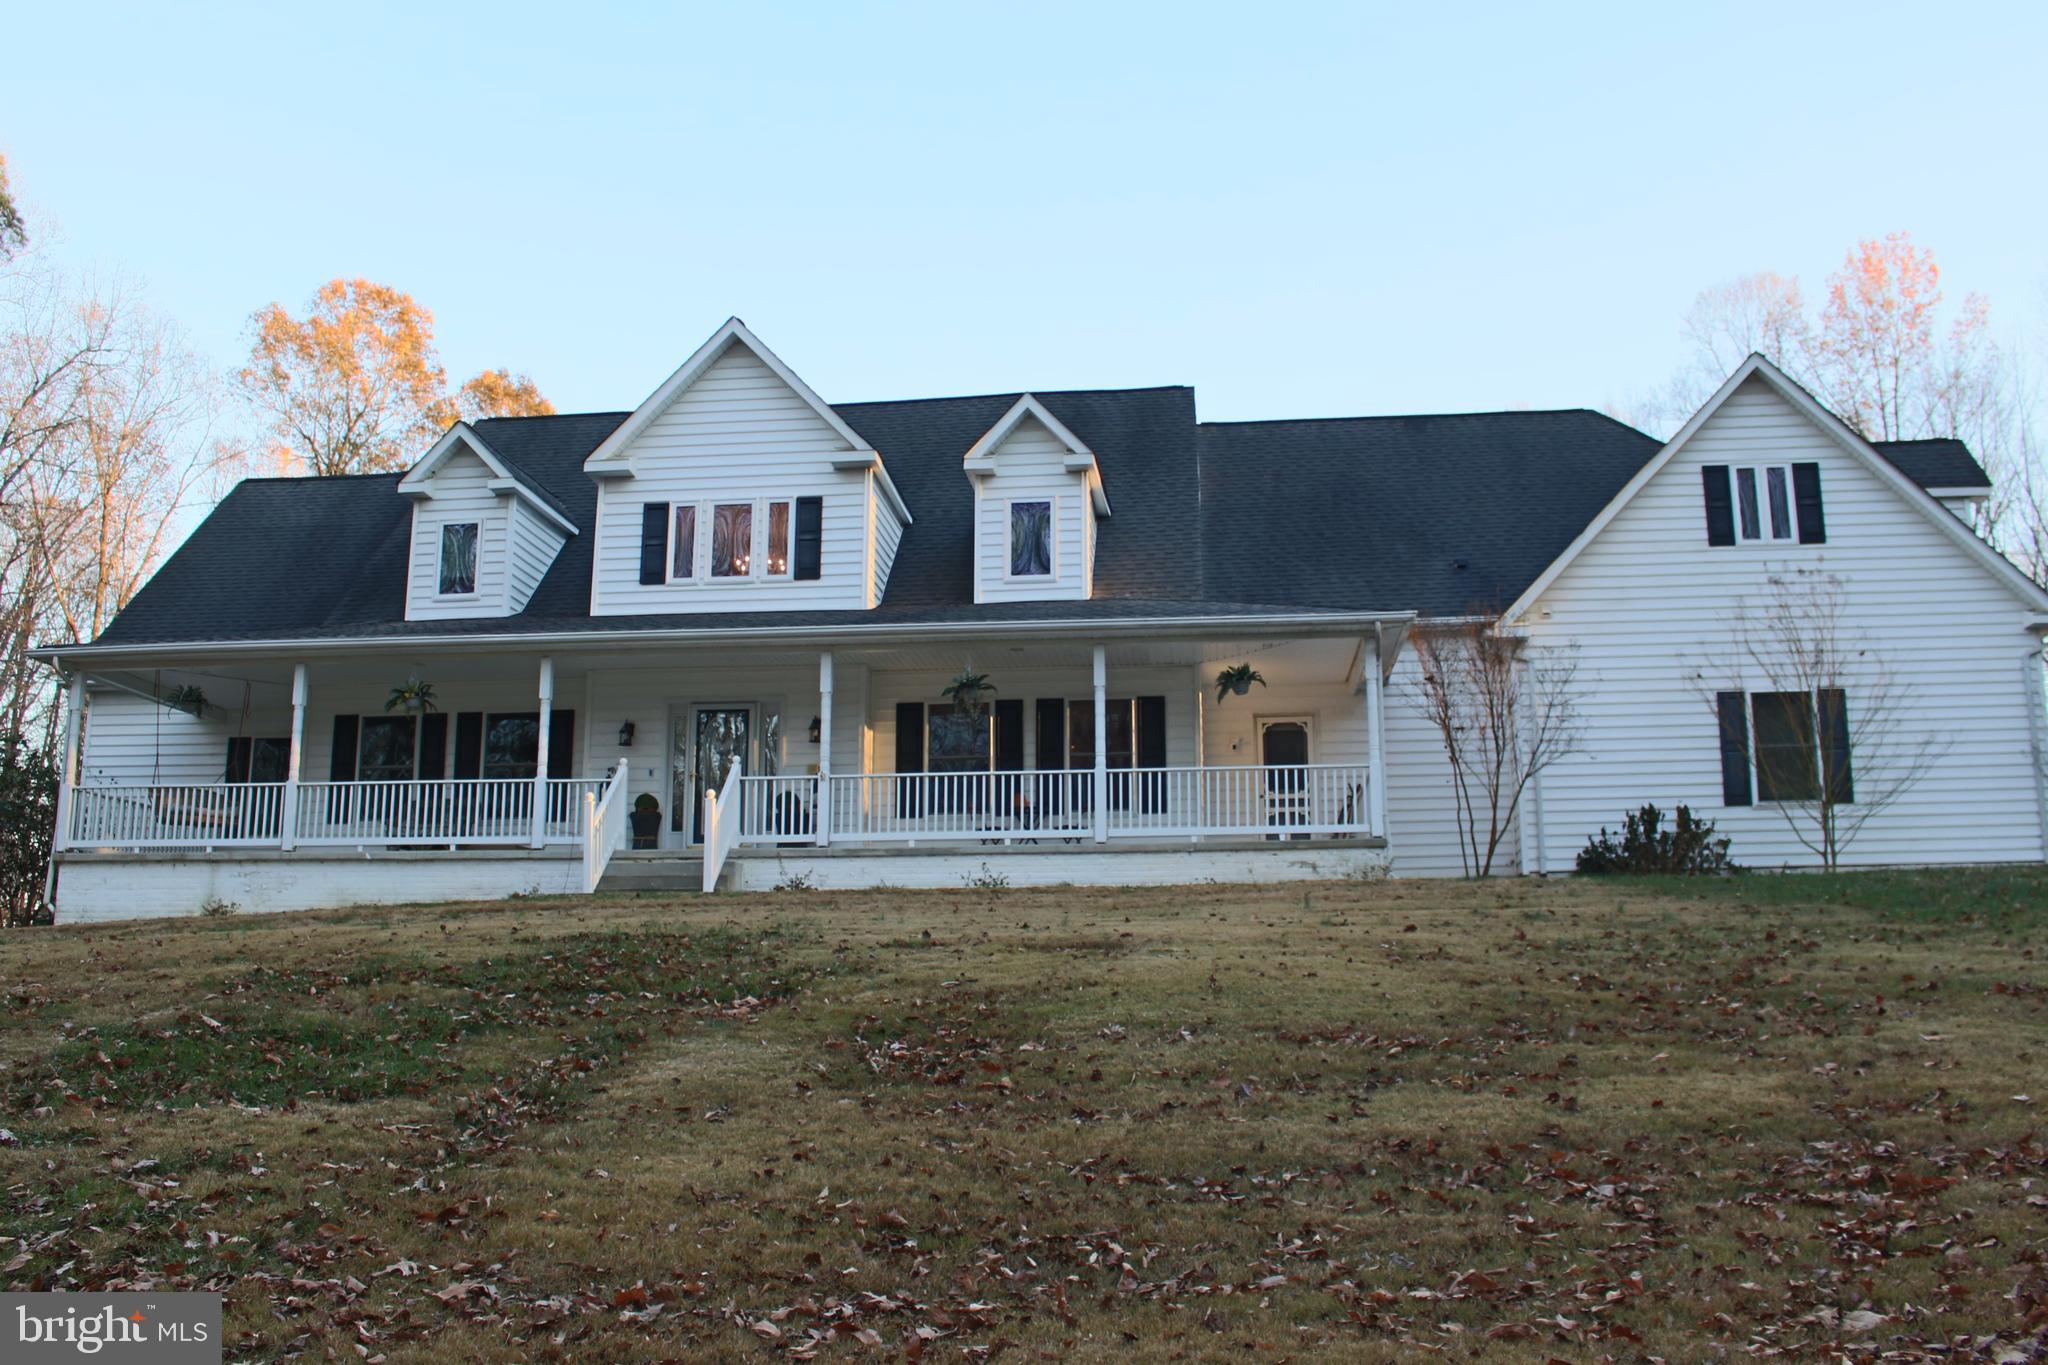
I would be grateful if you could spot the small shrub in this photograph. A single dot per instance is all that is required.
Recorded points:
(1687, 849)
(797, 881)
(988, 879)
(213, 907)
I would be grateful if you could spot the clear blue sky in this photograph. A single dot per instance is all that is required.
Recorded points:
(1302, 211)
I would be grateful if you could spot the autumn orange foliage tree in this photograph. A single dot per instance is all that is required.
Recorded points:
(356, 386)
(1883, 354)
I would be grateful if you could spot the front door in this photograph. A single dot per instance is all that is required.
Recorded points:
(1283, 748)
(717, 738)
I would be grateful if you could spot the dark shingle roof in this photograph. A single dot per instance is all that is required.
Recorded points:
(1437, 514)
(1941, 463)
(1430, 514)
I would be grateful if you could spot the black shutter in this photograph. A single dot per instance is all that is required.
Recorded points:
(1734, 748)
(1834, 732)
(1720, 505)
(1009, 741)
(341, 764)
(654, 542)
(1151, 752)
(239, 750)
(1051, 728)
(810, 537)
(469, 744)
(909, 755)
(1813, 525)
(433, 746)
(561, 743)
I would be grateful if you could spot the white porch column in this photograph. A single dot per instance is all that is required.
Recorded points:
(1101, 744)
(823, 815)
(1376, 737)
(67, 779)
(540, 765)
(288, 821)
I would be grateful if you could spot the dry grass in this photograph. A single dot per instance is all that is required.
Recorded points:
(1508, 1121)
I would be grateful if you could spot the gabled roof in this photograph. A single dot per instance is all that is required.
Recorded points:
(1942, 465)
(610, 460)
(1888, 473)
(506, 477)
(981, 456)
(1239, 520)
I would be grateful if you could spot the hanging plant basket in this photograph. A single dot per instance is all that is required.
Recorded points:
(968, 692)
(1237, 680)
(190, 700)
(412, 696)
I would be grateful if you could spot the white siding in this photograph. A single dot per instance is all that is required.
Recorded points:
(130, 739)
(1649, 603)
(461, 493)
(1422, 809)
(1030, 464)
(888, 536)
(535, 541)
(735, 435)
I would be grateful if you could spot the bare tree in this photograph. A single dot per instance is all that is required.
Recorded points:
(1505, 711)
(1823, 718)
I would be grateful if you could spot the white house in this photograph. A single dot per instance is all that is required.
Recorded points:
(746, 604)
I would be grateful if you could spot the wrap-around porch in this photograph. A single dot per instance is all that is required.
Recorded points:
(1075, 744)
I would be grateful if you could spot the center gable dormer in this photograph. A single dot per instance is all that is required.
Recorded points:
(483, 533)
(1038, 495)
(734, 487)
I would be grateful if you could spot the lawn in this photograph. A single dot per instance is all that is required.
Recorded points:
(1761, 1115)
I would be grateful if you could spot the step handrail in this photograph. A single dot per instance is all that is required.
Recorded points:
(604, 826)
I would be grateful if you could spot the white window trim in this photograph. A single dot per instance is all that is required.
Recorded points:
(440, 548)
(757, 546)
(1761, 473)
(1052, 556)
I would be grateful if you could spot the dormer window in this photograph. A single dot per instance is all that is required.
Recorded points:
(1031, 539)
(778, 541)
(685, 567)
(458, 559)
(1763, 502)
(732, 539)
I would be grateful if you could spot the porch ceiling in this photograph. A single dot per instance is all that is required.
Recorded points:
(1326, 658)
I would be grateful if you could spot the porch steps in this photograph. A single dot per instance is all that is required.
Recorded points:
(664, 872)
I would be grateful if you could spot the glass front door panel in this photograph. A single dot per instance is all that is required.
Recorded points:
(721, 740)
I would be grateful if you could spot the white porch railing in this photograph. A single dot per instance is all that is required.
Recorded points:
(1285, 800)
(250, 814)
(604, 826)
(721, 826)
(204, 815)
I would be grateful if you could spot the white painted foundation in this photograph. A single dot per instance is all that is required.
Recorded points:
(100, 887)
(1077, 865)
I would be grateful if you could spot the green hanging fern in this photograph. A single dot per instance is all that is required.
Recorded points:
(967, 691)
(1237, 678)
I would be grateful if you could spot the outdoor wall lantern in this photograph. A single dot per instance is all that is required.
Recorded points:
(817, 725)
(626, 734)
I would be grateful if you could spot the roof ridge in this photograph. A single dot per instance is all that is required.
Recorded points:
(1004, 393)
(319, 478)
(556, 416)
(1414, 416)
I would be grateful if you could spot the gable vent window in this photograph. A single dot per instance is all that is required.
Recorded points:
(1770, 504)
(458, 559)
(1030, 539)
(732, 539)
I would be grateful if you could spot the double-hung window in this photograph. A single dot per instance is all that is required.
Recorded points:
(385, 749)
(1030, 538)
(775, 563)
(1783, 746)
(511, 744)
(714, 541)
(458, 559)
(1763, 503)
